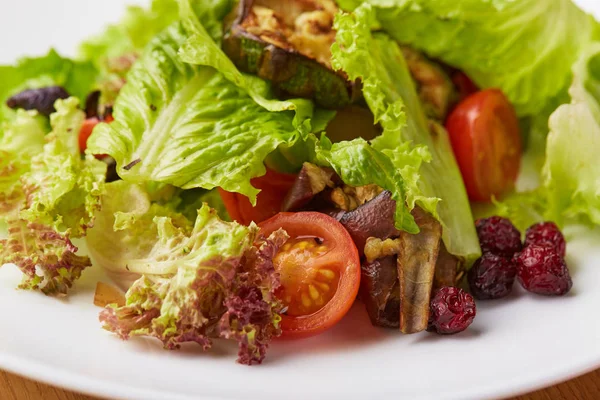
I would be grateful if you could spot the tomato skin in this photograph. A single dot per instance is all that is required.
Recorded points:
(86, 131)
(273, 186)
(485, 137)
(343, 255)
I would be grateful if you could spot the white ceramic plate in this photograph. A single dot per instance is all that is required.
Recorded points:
(515, 345)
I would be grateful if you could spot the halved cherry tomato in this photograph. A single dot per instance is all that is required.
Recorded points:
(273, 186)
(320, 271)
(86, 131)
(485, 137)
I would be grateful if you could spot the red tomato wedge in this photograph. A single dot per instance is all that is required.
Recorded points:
(86, 131)
(320, 272)
(273, 186)
(485, 137)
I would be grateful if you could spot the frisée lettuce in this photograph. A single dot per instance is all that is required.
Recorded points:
(210, 279)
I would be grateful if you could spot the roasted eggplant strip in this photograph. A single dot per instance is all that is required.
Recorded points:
(446, 269)
(375, 219)
(380, 291)
(288, 42)
(416, 269)
(311, 181)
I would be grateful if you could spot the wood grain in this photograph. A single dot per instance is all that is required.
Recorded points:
(13, 387)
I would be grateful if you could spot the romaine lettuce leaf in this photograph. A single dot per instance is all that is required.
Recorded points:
(140, 25)
(570, 184)
(199, 282)
(189, 126)
(421, 156)
(572, 173)
(135, 30)
(525, 47)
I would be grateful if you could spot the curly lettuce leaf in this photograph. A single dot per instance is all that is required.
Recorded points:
(47, 258)
(199, 282)
(420, 155)
(188, 125)
(526, 47)
(62, 190)
(50, 197)
(20, 140)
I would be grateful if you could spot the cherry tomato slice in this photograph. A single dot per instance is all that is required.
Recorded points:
(320, 271)
(273, 186)
(485, 137)
(86, 131)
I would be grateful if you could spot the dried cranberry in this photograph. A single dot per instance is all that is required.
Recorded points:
(546, 234)
(41, 99)
(452, 310)
(541, 270)
(499, 236)
(492, 277)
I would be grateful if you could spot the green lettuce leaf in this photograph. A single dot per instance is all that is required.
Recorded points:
(135, 30)
(572, 173)
(62, 190)
(526, 47)
(358, 164)
(189, 126)
(77, 77)
(20, 140)
(50, 194)
(570, 184)
(201, 49)
(199, 282)
(420, 156)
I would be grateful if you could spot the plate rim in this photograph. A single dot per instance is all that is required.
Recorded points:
(80, 383)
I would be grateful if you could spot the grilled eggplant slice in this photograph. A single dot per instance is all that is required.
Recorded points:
(380, 291)
(446, 269)
(288, 42)
(373, 219)
(416, 268)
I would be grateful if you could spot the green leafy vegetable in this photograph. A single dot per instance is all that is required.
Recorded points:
(61, 189)
(78, 78)
(359, 164)
(524, 47)
(20, 140)
(200, 282)
(137, 27)
(51, 195)
(47, 258)
(189, 126)
(570, 187)
(418, 151)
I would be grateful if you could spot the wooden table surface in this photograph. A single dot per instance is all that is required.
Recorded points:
(13, 387)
